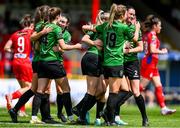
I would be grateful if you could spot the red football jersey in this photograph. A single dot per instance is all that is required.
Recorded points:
(21, 43)
(151, 38)
(150, 59)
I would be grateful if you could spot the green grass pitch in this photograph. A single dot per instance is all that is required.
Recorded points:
(129, 113)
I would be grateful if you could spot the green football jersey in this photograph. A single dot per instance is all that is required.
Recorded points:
(113, 42)
(67, 38)
(132, 56)
(94, 49)
(48, 41)
(38, 27)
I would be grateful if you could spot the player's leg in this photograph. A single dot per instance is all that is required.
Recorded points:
(42, 85)
(126, 94)
(160, 96)
(59, 102)
(139, 101)
(66, 96)
(101, 99)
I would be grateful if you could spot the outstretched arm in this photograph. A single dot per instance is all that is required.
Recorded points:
(65, 46)
(89, 28)
(35, 36)
(136, 33)
(138, 48)
(155, 50)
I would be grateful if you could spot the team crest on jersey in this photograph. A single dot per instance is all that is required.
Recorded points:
(61, 35)
(69, 40)
(153, 37)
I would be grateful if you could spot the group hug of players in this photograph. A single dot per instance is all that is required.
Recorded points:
(112, 44)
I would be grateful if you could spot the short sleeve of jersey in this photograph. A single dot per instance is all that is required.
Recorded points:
(129, 32)
(100, 28)
(67, 37)
(140, 36)
(58, 32)
(39, 26)
(90, 33)
(152, 39)
(94, 35)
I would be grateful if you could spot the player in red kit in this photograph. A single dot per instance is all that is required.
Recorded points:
(20, 45)
(149, 69)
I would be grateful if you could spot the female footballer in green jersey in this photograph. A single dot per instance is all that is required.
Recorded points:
(91, 65)
(62, 94)
(49, 65)
(40, 18)
(131, 68)
(114, 32)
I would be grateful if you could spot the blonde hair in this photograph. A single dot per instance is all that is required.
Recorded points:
(99, 17)
(116, 12)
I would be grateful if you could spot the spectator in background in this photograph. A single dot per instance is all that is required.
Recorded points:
(2, 25)
(175, 14)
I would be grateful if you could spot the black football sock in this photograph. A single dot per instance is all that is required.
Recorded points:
(79, 105)
(88, 103)
(67, 103)
(36, 103)
(59, 101)
(99, 108)
(141, 105)
(110, 106)
(45, 107)
(23, 99)
(123, 96)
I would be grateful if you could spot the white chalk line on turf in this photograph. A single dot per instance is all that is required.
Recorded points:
(31, 124)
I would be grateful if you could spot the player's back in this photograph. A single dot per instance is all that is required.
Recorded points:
(21, 43)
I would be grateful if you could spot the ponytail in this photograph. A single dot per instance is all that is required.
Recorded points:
(113, 11)
(99, 17)
(117, 12)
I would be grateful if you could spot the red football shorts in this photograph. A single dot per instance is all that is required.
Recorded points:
(148, 73)
(22, 69)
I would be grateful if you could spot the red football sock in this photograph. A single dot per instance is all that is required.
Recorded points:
(16, 95)
(22, 108)
(160, 96)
